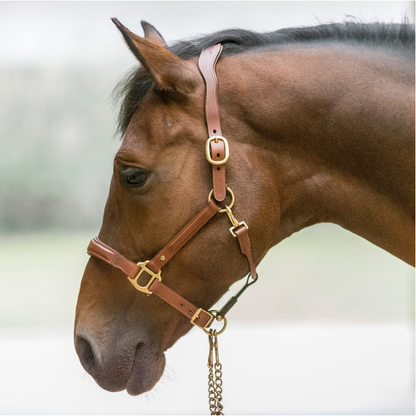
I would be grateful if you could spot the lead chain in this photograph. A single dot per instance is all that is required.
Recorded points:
(214, 378)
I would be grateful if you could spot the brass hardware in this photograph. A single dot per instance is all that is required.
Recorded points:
(214, 379)
(208, 150)
(234, 222)
(232, 198)
(215, 314)
(162, 258)
(196, 315)
(134, 282)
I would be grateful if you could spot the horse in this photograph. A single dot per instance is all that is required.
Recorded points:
(319, 124)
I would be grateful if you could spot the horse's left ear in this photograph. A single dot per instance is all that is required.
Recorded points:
(152, 34)
(168, 71)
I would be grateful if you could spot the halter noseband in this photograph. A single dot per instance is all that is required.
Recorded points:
(217, 153)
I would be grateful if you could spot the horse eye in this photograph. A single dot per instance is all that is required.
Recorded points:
(135, 177)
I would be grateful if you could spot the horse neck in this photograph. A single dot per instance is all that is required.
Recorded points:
(339, 123)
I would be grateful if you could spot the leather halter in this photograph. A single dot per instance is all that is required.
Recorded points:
(217, 153)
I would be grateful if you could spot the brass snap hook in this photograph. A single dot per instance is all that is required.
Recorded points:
(234, 222)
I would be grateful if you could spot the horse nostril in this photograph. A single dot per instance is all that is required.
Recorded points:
(85, 353)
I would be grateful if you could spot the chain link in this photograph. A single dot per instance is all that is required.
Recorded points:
(214, 378)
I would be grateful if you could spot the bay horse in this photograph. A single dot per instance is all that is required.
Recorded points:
(320, 126)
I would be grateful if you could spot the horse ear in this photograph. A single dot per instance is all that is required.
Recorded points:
(168, 71)
(152, 34)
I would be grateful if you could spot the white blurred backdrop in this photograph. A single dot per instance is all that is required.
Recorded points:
(329, 328)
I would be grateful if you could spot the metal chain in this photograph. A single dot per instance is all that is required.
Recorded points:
(211, 388)
(214, 379)
(218, 386)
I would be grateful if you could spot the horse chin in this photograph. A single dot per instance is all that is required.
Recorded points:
(148, 367)
(145, 373)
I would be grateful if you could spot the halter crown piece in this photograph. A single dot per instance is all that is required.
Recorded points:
(217, 153)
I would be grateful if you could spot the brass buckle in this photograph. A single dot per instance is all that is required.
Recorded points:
(144, 289)
(196, 316)
(208, 150)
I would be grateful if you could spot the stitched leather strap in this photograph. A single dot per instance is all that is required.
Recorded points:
(207, 62)
(180, 303)
(218, 171)
(102, 251)
(245, 247)
(98, 249)
(187, 232)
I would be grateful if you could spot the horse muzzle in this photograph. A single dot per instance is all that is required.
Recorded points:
(121, 362)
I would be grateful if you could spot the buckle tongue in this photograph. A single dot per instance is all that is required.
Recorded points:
(143, 268)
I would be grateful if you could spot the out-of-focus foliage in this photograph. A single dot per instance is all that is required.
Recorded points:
(56, 144)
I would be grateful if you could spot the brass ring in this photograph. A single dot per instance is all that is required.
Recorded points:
(224, 319)
(232, 199)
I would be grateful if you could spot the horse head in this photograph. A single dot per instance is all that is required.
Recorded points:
(320, 127)
(161, 179)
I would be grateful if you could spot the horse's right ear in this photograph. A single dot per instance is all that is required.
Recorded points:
(168, 71)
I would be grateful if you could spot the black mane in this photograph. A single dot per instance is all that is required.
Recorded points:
(132, 89)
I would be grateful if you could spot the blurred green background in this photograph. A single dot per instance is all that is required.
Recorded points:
(56, 145)
(59, 62)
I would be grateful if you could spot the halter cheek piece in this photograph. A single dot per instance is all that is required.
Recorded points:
(217, 153)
